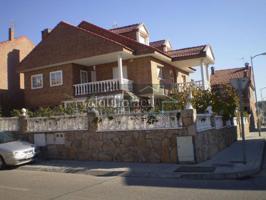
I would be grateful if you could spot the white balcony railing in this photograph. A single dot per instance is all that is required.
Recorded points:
(102, 87)
(198, 84)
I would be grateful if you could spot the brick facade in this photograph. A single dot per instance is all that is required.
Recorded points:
(142, 71)
(11, 82)
(88, 44)
(67, 43)
(51, 96)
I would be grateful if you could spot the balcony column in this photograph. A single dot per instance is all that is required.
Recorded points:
(152, 101)
(207, 73)
(120, 69)
(208, 84)
(203, 74)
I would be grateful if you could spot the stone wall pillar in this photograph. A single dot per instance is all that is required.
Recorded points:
(23, 123)
(93, 120)
(188, 117)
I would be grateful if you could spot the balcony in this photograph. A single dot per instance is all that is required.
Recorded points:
(105, 86)
(180, 87)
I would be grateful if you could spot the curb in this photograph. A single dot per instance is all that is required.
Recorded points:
(101, 173)
(235, 175)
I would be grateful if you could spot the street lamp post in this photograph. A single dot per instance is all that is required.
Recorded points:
(262, 107)
(253, 76)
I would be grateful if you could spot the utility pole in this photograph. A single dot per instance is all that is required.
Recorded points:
(242, 123)
(240, 84)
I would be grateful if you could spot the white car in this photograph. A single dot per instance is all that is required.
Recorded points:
(13, 151)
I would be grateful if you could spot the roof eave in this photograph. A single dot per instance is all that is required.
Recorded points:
(180, 58)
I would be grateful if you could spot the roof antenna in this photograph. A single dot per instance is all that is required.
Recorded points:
(11, 31)
(12, 25)
(115, 25)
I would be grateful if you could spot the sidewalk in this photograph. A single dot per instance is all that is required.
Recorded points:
(228, 163)
(224, 165)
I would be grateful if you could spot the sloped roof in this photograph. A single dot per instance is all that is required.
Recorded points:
(138, 47)
(225, 75)
(72, 43)
(188, 53)
(67, 42)
(125, 29)
(157, 43)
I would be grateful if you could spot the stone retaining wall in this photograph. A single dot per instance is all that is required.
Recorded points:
(126, 146)
(210, 142)
(152, 146)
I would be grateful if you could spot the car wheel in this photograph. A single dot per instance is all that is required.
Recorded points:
(2, 163)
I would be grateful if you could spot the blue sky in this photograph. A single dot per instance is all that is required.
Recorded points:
(235, 28)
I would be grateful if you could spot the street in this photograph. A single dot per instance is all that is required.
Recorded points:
(33, 185)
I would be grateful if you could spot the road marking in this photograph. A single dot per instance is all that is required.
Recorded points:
(14, 188)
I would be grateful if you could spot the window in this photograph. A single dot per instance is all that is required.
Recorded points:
(83, 76)
(56, 78)
(184, 79)
(143, 38)
(36, 81)
(159, 72)
(115, 72)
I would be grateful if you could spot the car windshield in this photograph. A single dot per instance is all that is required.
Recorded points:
(6, 137)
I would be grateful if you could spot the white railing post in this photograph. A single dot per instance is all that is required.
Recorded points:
(120, 70)
(101, 86)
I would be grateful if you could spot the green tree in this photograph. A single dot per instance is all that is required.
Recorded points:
(225, 101)
(201, 99)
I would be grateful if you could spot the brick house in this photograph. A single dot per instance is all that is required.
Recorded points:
(75, 62)
(223, 77)
(12, 52)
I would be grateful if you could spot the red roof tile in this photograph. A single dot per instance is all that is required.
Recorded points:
(115, 38)
(138, 47)
(125, 29)
(224, 76)
(68, 42)
(188, 53)
(157, 43)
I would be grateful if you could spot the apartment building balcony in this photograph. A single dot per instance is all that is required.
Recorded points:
(105, 86)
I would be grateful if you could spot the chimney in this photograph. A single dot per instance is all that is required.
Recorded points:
(246, 65)
(11, 33)
(212, 70)
(45, 33)
(245, 73)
